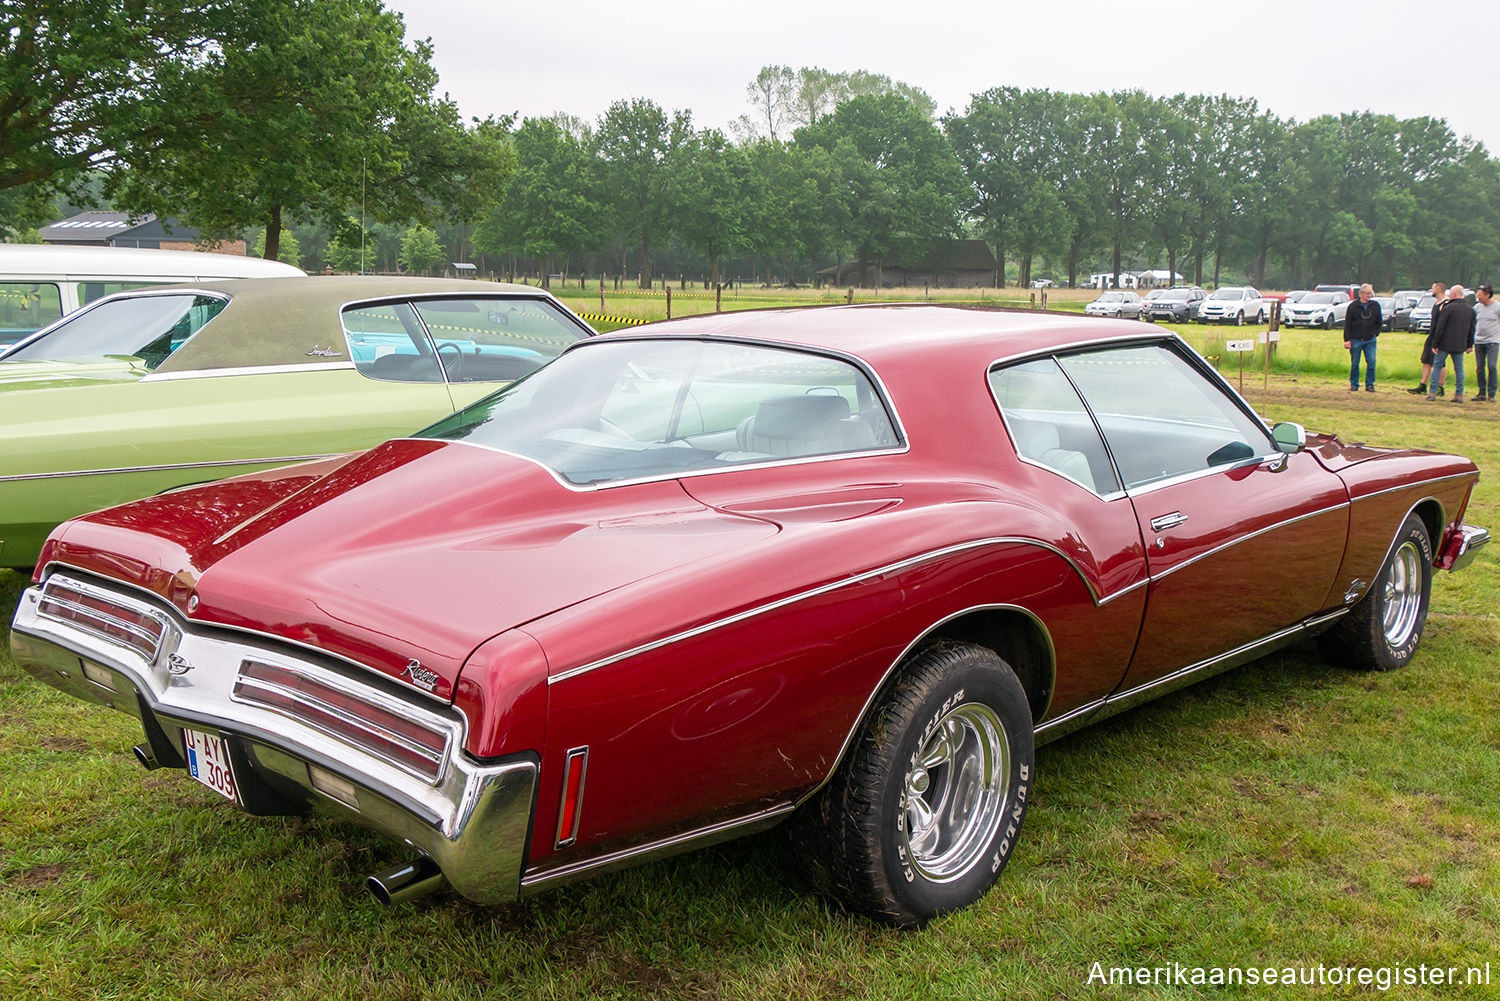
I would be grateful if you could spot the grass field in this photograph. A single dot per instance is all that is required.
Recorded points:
(1282, 815)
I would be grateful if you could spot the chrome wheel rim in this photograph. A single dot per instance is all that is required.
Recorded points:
(1402, 594)
(954, 792)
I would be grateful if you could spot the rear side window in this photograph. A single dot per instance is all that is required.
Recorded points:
(26, 307)
(387, 342)
(1049, 425)
(149, 328)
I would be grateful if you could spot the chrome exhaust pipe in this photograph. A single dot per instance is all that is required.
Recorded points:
(405, 882)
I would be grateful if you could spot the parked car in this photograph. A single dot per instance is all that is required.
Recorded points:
(1233, 304)
(1350, 292)
(1402, 304)
(1317, 309)
(153, 389)
(1176, 305)
(1126, 305)
(1044, 283)
(39, 283)
(843, 566)
(1421, 314)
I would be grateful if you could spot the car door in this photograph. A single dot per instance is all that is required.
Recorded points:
(1242, 540)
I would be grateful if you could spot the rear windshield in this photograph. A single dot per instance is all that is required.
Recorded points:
(149, 328)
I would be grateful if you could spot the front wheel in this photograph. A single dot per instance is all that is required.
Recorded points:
(1239, 319)
(1381, 633)
(924, 812)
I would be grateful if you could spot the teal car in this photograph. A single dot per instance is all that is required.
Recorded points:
(160, 388)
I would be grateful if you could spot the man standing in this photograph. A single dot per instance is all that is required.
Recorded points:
(1440, 297)
(1362, 321)
(1486, 341)
(1452, 337)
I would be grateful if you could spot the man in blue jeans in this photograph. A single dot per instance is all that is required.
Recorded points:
(1362, 323)
(1452, 337)
(1486, 341)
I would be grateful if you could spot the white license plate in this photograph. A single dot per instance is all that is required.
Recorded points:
(208, 762)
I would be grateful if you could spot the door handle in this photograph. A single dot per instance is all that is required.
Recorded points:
(1166, 521)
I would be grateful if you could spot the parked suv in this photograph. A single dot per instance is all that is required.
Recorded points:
(1233, 304)
(1317, 309)
(1178, 304)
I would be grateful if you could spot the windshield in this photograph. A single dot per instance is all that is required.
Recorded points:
(1174, 295)
(1318, 299)
(148, 327)
(1229, 293)
(1427, 301)
(1110, 297)
(629, 409)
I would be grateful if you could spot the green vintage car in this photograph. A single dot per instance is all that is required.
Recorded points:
(159, 388)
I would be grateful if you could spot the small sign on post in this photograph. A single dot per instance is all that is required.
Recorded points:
(1269, 339)
(1240, 348)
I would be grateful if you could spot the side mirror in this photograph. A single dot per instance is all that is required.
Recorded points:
(1289, 438)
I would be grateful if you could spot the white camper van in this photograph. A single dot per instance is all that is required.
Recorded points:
(39, 283)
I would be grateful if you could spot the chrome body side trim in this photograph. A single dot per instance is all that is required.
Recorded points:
(473, 821)
(533, 881)
(210, 373)
(1238, 540)
(1120, 701)
(751, 613)
(279, 460)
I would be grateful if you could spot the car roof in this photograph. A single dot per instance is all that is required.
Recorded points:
(889, 336)
(45, 261)
(283, 321)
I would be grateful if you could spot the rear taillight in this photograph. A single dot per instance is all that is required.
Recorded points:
(99, 612)
(356, 720)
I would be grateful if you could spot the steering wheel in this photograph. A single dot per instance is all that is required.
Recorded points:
(455, 367)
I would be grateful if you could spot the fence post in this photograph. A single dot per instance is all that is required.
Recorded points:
(668, 289)
(849, 298)
(719, 297)
(601, 291)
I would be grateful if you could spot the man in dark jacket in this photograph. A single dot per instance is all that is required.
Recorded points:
(1362, 322)
(1452, 337)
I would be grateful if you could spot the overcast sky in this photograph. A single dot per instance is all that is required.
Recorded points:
(1298, 58)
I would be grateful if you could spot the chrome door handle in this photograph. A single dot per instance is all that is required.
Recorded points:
(1167, 521)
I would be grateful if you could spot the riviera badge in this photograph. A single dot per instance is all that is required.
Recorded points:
(420, 676)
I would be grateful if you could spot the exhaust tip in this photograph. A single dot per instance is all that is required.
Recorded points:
(145, 757)
(405, 882)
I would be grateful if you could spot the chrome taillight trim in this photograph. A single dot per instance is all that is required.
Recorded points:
(98, 622)
(246, 690)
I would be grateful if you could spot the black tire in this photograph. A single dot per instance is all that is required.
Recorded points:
(1382, 632)
(1328, 321)
(1260, 317)
(910, 827)
(1239, 319)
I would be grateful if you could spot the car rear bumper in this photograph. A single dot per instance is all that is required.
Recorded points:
(472, 818)
(1461, 545)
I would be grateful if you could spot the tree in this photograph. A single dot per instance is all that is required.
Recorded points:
(90, 83)
(320, 105)
(289, 253)
(636, 143)
(420, 250)
(549, 205)
(710, 175)
(900, 175)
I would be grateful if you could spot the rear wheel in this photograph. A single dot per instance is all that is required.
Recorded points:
(1382, 632)
(923, 813)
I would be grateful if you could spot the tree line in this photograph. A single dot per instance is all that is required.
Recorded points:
(318, 119)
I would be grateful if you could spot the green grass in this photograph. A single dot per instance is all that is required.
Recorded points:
(1281, 814)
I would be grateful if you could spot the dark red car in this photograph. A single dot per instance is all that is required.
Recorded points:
(840, 567)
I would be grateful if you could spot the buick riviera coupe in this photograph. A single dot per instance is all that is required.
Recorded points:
(159, 388)
(842, 567)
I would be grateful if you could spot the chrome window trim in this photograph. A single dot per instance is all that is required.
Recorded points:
(901, 447)
(282, 460)
(209, 373)
(136, 293)
(897, 567)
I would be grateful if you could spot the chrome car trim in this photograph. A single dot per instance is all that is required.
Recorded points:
(155, 600)
(169, 631)
(279, 460)
(837, 585)
(181, 288)
(1473, 538)
(473, 821)
(209, 373)
(1130, 698)
(1239, 539)
(533, 880)
(1424, 484)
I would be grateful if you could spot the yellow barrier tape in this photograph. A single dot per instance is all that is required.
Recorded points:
(624, 321)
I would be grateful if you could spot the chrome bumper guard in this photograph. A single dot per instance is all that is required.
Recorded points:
(1469, 540)
(473, 821)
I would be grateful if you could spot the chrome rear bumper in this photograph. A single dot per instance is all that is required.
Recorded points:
(473, 820)
(1462, 545)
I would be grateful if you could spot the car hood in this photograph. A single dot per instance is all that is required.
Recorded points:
(416, 550)
(22, 375)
